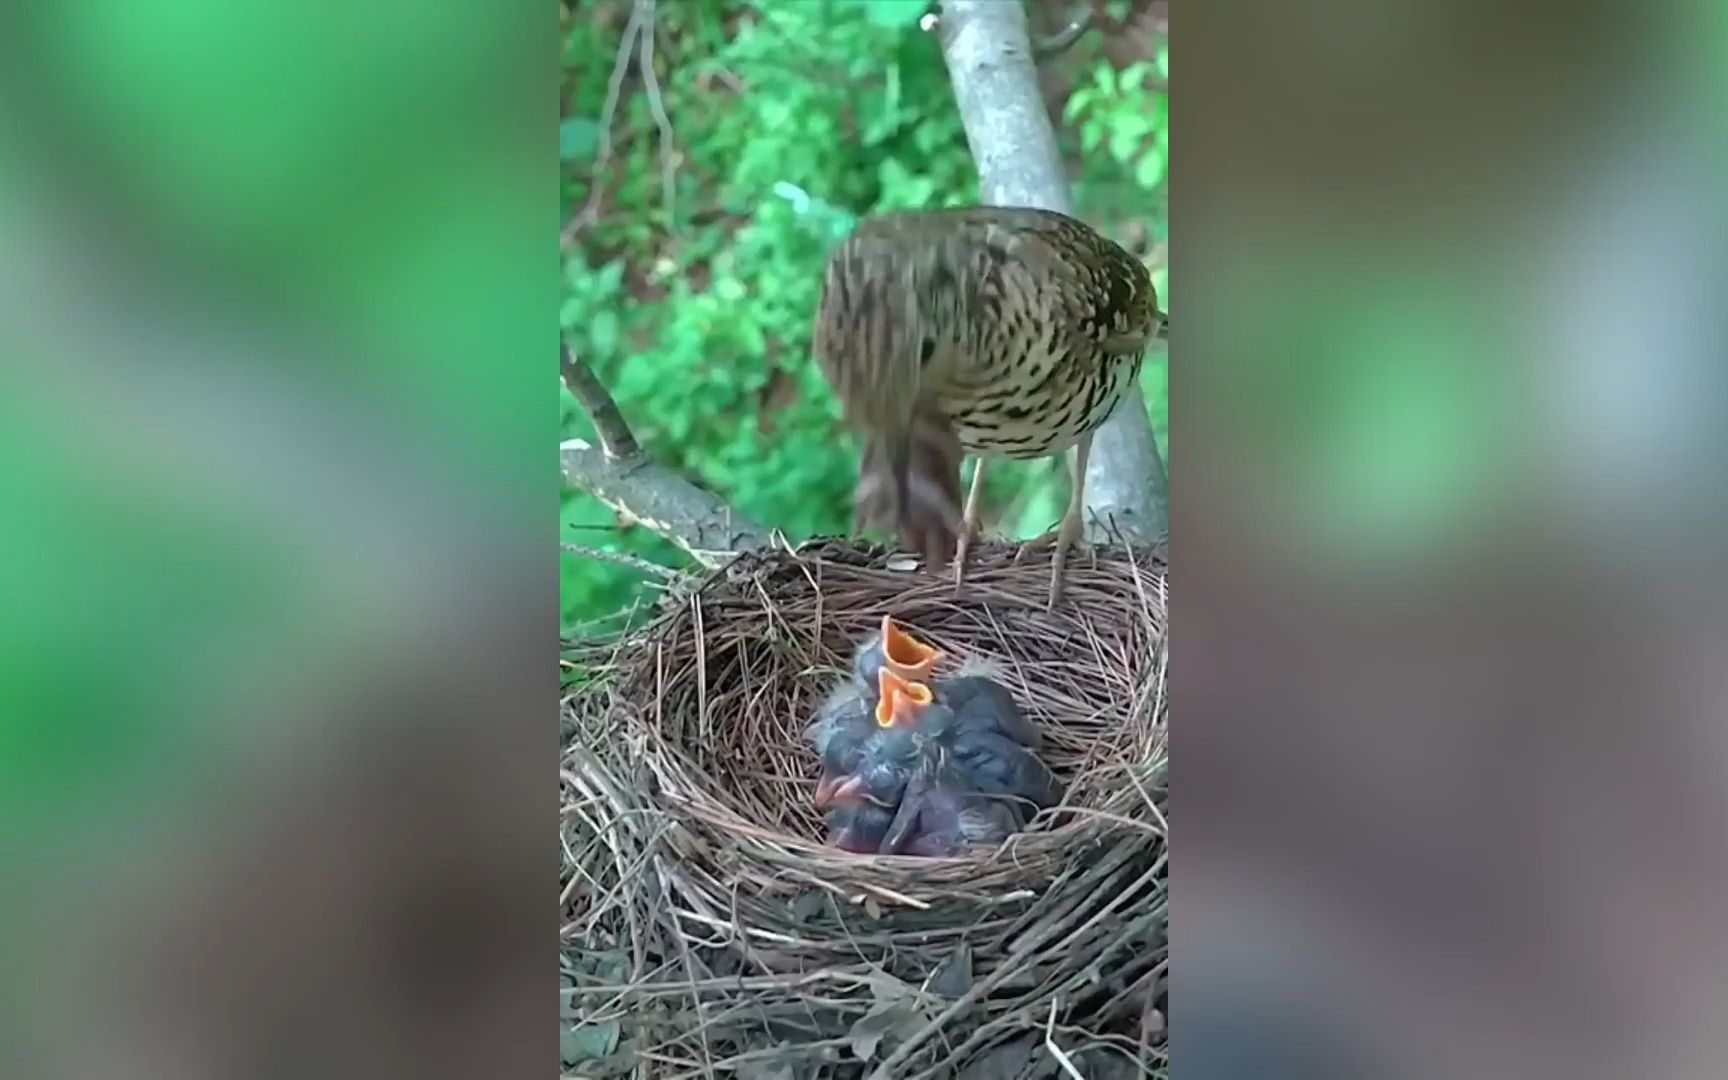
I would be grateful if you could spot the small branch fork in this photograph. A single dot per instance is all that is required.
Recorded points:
(640, 491)
(616, 438)
(638, 39)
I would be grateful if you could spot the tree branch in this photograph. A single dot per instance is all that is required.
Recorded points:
(657, 498)
(620, 475)
(1061, 41)
(989, 60)
(615, 436)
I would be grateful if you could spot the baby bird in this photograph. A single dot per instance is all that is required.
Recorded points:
(942, 814)
(859, 825)
(863, 793)
(867, 749)
(853, 714)
(894, 648)
(990, 761)
(980, 703)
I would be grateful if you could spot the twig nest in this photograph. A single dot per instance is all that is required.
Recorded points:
(695, 860)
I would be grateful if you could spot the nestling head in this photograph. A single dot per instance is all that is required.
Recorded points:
(906, 656)
(901, 700)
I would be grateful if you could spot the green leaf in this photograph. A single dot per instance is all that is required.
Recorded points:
(895, 14)
(1124, 141)
(578, 138)
(1078, 101)
(610, 277)
(587, 1042)
(1150, 172)
(603, 334)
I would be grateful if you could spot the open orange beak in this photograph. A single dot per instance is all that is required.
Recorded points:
(900, 700)
(910, 658)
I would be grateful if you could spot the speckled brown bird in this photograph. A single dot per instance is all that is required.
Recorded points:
(1005, 331)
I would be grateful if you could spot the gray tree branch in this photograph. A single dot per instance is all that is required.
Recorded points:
(989, 56)
(657, 498)
(615, 435)
(619, 474)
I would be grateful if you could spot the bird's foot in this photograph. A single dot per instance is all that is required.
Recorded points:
(1058, 541)
(969, 532)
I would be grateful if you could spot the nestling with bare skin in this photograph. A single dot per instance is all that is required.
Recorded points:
(858, 825)
(1006, 331)
(871, 756)
(853, 714)
(980, 703)
(943, 814)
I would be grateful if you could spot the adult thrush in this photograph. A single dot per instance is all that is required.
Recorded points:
(1005, 331)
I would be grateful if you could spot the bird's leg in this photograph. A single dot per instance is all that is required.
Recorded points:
(1067, 534)
(1072, 520)
(968, 524)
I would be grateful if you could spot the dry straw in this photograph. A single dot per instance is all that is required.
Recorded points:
(709, 932)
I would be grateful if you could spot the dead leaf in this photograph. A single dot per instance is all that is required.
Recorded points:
(764, 1070)
(809, 905)
(890, 989)
(953, 976)
(1004, 1061)
(885, 1016)
(587, 1042)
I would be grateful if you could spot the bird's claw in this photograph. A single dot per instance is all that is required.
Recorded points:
(1059, 542)
(969, 532)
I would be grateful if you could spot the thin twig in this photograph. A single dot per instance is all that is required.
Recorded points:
(1062, 1059)
(668, 156)
(603, 153)
(1058, 43)
(621, 559)
(615, 435)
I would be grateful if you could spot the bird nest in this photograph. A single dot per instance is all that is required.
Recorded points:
(708, 928)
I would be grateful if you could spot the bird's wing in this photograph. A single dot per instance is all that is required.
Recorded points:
(908, 817)
(998, 765)
(985, 704)
(984, 823)
(1100, 293)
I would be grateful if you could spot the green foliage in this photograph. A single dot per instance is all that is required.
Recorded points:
(692, 287)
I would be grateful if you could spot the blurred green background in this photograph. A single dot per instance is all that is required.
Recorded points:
(697, 235)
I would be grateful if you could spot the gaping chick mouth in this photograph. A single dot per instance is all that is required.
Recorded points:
(900, 700)
(910, 658)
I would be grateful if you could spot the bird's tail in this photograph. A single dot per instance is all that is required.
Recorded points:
(910, 484)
